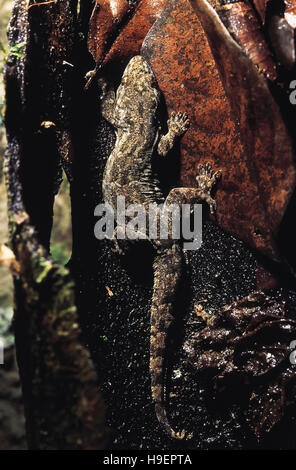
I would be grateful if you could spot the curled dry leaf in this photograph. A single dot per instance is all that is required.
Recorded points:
(242, 22)
(235, 122)
(106, 21)
(261, 6)
(280, 23)
(118, 27)
(245, 349)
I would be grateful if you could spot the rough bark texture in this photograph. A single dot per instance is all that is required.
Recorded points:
(12, 421)
(63, 406)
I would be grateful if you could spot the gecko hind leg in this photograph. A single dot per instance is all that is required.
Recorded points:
(119, 248)
(122, 243)
(206, 179)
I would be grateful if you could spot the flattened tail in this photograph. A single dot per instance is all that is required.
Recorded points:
(167, 274)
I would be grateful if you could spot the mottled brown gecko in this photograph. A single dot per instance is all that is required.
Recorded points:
(133, 111)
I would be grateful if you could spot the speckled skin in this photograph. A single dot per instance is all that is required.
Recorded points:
(129, 172)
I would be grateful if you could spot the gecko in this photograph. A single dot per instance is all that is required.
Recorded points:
(133, 111)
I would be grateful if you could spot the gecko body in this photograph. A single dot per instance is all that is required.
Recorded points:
(133, 111)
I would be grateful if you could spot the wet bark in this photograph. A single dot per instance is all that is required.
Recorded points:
(63, 406)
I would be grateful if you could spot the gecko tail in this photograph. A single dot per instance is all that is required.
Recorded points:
(163, 420)
(167, 274)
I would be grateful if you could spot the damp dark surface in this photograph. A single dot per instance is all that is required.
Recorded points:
(12, 421)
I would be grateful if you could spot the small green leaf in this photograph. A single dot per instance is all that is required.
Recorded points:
(17, 49)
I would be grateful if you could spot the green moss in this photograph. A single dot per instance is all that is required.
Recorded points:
(17, 50)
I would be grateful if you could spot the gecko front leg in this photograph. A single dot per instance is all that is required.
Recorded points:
(177, 126)
(108, 101)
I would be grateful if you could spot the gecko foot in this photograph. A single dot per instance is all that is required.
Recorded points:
(206, 179)
(119, 250)
(178, 435)
(178, 123)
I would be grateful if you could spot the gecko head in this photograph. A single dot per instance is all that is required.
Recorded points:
(139, 71)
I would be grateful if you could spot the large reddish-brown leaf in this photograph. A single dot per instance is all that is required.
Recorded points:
(235, 122)
(118, 27)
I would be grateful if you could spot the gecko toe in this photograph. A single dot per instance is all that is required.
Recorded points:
(181, 435)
